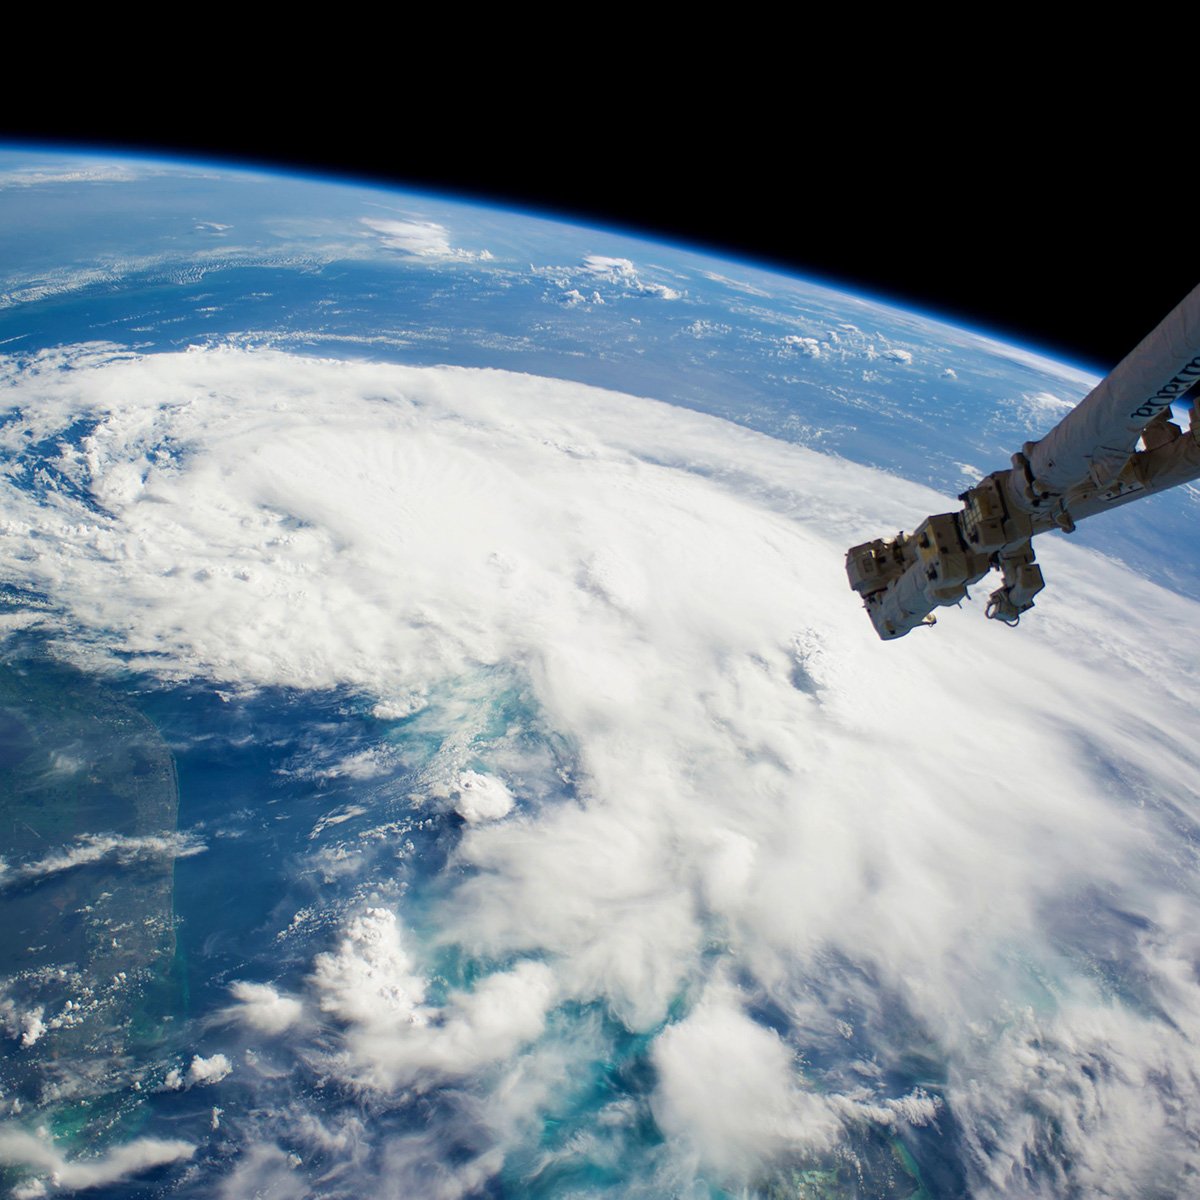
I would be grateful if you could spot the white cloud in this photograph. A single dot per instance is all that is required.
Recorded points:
(621, 273)
(609, 268)
(738, 285)
(100, 172)
(1076, 378)
(200, 1073)
(262, 1007)
(482, 798)
(1040, 411)
(266, 1171)
(916, 1108)
(704, 329)
(808, 346)
(397, 708)
(759, 787)
(22, 1025)
(370, 978)
(393, 1038)
(95, 847)
(363, 764)
(31, 289)
(1094, 1073)
(205, 1071)
(575, 297)
(421, 239)
(661, 290)
(55, 1171)
(729, 1091)
(897, 355)
(342, 815)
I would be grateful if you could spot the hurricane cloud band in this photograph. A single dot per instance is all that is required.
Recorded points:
(772, 813)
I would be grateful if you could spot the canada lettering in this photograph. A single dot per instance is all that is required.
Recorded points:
(1175, 387)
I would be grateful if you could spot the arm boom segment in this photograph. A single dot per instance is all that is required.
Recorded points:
(1086, 464)
(1095, 438)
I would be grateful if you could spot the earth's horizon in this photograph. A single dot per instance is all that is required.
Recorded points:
(441, 755)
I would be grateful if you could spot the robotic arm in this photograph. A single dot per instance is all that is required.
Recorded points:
(1088, 463)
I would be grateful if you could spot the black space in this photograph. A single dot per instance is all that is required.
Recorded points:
(1031, 234)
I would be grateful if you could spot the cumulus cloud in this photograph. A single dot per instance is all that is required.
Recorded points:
(729, 1089)
(622, 273)
(393, 1037)
(420, 239)
(574, 296)
(203, 1071)
(608, 267)
(808, 346)
(200, 1073)
(704, 329)
(24, 1025)
(263, 1008)
(482, 797)
(53, 1171)
(370, 978)
(881, 843)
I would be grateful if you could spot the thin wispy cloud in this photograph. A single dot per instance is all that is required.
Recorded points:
(93, 848)
(62, 1175)
(74, 173)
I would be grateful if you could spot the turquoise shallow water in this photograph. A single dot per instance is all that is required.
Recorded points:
(267, 894)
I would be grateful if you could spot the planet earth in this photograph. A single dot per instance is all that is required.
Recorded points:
(441, 756)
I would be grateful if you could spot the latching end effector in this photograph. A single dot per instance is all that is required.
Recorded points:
(903, 579)
(1022, 581)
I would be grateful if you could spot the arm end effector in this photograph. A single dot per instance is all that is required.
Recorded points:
(903, 579)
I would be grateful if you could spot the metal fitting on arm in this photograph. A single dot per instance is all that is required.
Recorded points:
(1022, 581)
